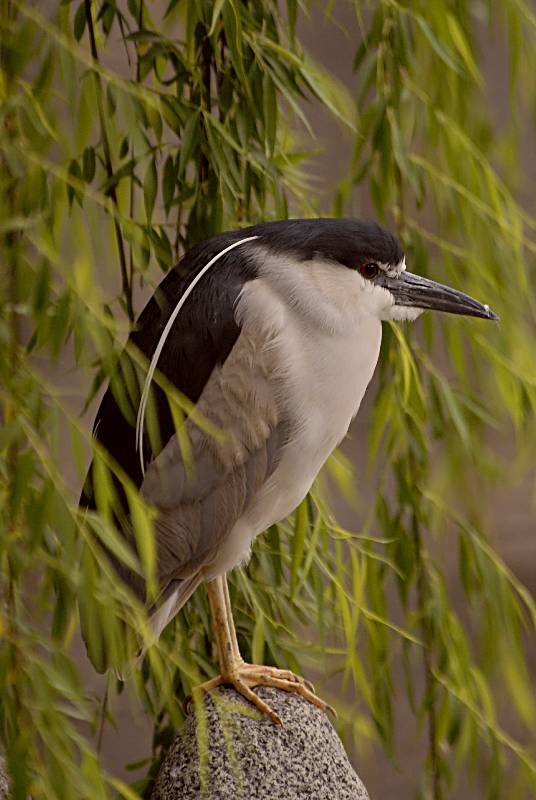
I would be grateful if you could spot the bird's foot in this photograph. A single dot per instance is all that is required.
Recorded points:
(245, 676)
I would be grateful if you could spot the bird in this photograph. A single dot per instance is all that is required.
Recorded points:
(272, 333)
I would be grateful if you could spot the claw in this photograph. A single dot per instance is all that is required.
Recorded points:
(246, 676)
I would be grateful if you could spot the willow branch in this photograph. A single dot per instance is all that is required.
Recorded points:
(423, 596)
(132, 181)
(126, 284)
(9, 244)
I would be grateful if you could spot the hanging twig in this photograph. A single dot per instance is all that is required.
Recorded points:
(103, 713)
(430, 683)
(127, 287)
(132, 181)
(9, 244)
(423, 588)
(206, 65)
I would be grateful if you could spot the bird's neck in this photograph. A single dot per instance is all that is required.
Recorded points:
(325, 295)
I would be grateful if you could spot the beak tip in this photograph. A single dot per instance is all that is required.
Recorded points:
(491, 314)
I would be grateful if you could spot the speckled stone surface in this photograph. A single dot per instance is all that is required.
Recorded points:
(3, 780)
(247, 757)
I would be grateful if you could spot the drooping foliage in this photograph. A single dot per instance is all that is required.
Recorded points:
(131, 130)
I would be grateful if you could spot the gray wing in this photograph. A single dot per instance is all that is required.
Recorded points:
(199, 498)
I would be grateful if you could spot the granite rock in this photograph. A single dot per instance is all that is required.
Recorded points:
(4, 785)
(223, 753)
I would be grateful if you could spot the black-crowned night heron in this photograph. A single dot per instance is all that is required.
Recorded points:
(273, 332)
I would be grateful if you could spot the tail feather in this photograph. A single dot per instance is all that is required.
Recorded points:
(178, 593)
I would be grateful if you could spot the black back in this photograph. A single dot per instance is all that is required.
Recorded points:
(202, 337)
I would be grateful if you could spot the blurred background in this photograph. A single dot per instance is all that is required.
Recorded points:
(405, 584)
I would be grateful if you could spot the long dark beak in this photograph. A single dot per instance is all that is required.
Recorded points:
(413, 290)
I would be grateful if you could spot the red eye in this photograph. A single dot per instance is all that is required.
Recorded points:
(369, 271)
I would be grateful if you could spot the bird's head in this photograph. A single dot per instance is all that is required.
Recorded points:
(384, 286)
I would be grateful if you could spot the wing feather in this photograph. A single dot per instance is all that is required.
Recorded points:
(199, 502)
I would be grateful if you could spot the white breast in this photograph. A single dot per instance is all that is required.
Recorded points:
(325, 347)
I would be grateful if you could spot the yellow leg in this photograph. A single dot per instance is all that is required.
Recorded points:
(235, 671)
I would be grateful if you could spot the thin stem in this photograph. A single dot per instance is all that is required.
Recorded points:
(127, 287)
(9, 244)
(388, 66)
(132, 182)
(102, 714)
(10, 247)
(423, 589)
(423, 597)
(206, 64)
(201, 95)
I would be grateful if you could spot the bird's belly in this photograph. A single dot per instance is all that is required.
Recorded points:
(328, 378)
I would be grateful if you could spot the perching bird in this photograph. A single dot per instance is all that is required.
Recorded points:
(273, 332)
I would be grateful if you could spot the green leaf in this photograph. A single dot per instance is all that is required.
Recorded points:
(292, 12)
(189, 141)
(216, 11)
(298, 542)
(456, 413)
(107, 14)
(440, 49)
(37, 109)
(124, 789)
(462, 46)
(88, 164)
(154, 119)
(162, 247)
(72, 191)
(150, 186)
(79, 23)
(400, 154)
(145, 539)
(258, 640)
(269, 103)
(232, 24)
(169, 181)
(144, 36)
(330, 91)
(123, 150)
(111, 100)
